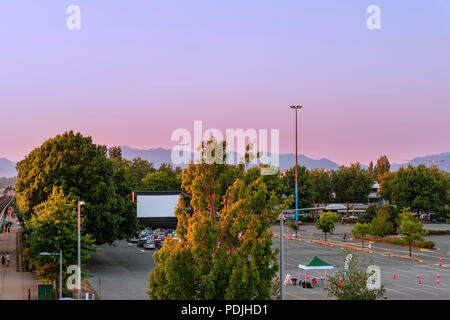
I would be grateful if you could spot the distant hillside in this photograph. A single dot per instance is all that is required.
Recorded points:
(7, 168)
(445, 165)
(160, 155)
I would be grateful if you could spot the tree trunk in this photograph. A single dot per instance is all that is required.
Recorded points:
(410, 255)
(362, 242)
(325, 237)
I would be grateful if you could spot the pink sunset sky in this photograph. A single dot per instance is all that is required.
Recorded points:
(138, 70)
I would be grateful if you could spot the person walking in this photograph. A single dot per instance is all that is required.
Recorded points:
(8, 258)
(9, 226)
(3, 259)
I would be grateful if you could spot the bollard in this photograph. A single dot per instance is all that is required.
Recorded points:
(389, 252)
(437, 281)
(420, 282)
(29, 294)
(356, 248)
(440, 262)
(93, 296)
(438, 275)
(417, 258)
(418, 276)
(45, 295)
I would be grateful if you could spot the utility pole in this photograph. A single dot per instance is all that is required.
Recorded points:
(296, 108)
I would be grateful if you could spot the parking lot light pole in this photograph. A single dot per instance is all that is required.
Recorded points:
(60, 267)
(296, 108)
(81, 203)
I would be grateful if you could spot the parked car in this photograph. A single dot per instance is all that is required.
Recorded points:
(142, 240)
(150, 245)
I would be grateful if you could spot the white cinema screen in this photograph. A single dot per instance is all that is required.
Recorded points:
(156, 205)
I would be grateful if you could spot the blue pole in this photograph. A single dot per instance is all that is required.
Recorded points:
(296, 202)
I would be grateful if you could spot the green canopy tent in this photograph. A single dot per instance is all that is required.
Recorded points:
(315, 264)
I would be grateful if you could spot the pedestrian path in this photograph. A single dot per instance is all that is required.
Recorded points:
(15, 283)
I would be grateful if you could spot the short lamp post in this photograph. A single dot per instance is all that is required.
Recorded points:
(60, 267)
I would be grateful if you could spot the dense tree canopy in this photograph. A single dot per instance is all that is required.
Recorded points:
(306, 192)
(351, 184)
(418, 188)
(382, 167)
(224, 249)
(53, 228)
(81, 169)
(321, 182)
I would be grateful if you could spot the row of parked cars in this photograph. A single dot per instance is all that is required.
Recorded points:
(152, 239)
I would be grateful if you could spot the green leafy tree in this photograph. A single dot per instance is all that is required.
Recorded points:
(382, 166)
(224, 249)
(321, 182)
(381, 225)
(368, 216)
(360, 230)
(351, 284)
(115, 153)
(81, 169)
(293, 225)
(418, 189)
(385, 190)
(53, 228)
(410, 228)
(161, 181)
(306, 193)
(351, 184)
(371, 170)
(326, 222)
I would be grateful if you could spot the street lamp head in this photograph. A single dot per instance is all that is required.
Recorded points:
(44, 254)
(296, 107)
(81, 203)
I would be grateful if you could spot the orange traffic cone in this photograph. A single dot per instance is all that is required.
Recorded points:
(440, 262)
(437, 281)
(394, 277)
(418, 276)
(340, 284)
(389, 252)
(438, 275)
(345, 246)
(417, 258)
(420, 282)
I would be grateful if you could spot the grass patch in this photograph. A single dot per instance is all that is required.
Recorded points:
(437, 232)
(426, 244)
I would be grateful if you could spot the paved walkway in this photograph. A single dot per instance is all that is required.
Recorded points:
(14, 281)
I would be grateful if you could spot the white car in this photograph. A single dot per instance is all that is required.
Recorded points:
(149, 245)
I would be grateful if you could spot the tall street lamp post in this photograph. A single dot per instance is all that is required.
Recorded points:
(81, 203)
(60, 267)
(296, 108)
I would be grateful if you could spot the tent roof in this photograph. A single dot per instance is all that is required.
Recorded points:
(316, 263)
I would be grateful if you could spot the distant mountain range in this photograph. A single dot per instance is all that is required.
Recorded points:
(160, 155)
(7, 168)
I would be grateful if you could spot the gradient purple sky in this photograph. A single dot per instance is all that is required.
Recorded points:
(139, 69)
